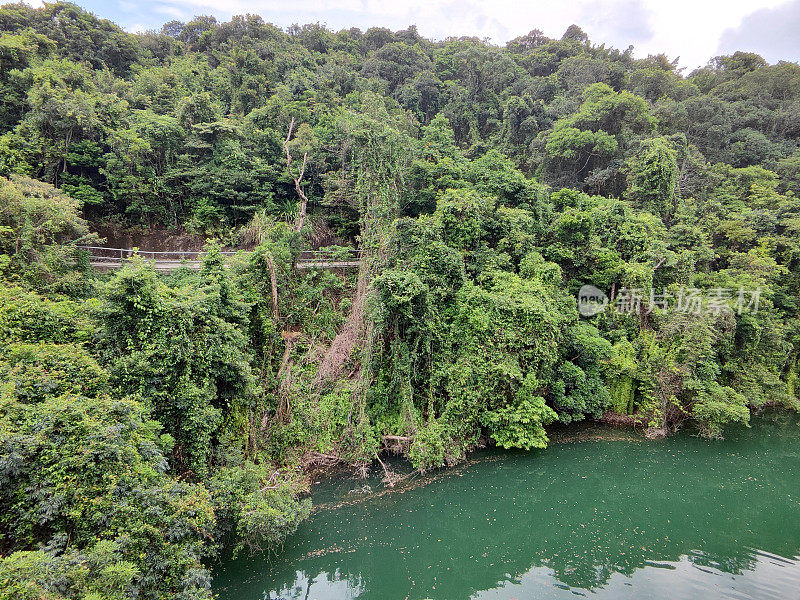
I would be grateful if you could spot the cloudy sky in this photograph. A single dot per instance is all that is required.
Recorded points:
(694, 30)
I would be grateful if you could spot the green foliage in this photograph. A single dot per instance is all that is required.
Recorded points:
(36, 221)
(95, 467)
(99, 572)
(180, 349)
(570, 142)
(485, 186)
(653, 177)
(261, 506)
(579, 391)
(27, 316)
(522, 425)
(464, 216)
(430, 447)
(621, 371)
(717, 407)
(581, 148)
(34, 372)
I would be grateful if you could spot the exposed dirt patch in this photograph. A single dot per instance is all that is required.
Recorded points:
(157, 239)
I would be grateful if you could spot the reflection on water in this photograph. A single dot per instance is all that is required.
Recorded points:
(609, 516)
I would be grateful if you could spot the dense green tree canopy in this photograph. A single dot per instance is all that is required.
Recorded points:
(148, 419)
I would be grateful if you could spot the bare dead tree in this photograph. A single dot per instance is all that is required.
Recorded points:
(273, 284)
(284, 375)
(301, 215)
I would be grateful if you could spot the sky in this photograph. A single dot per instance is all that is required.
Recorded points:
(692, 30)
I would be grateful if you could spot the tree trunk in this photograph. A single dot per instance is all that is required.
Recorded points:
(301, 215)
(273, 283)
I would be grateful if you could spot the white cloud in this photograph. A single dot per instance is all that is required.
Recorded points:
(173, 12)
(692, 28)
(770, 32)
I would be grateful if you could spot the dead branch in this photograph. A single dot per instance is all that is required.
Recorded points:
(270, 484)
(273, 283)
(284, 377)
(389, 478)
(301, 216)
(325, 456)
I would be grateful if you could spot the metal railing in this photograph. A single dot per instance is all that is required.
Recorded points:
(123, 253)
(316, 255)
(114, 257)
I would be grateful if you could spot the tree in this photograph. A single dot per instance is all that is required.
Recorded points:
(85, 477)
(181, 350)
(39, 226)
(653, 176)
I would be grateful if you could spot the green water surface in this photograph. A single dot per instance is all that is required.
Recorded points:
(601, 513)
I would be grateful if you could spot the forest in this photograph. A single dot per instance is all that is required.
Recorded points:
(150, 421)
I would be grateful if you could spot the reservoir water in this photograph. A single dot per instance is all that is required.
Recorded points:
(600, 513)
